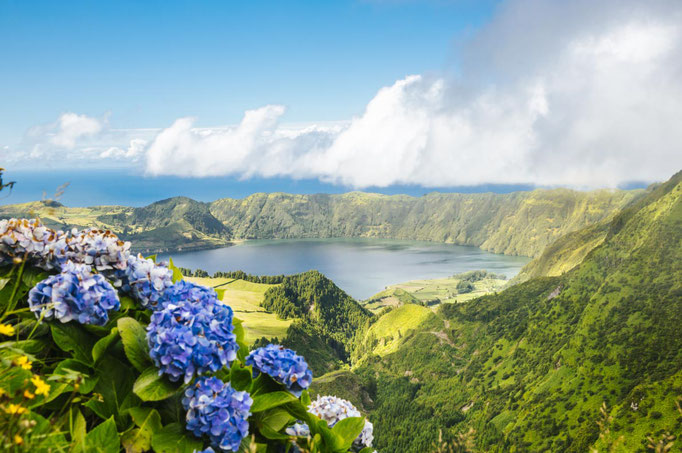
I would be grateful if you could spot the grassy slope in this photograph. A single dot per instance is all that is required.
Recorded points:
(431, 292)
(565, 253)
(386, 334)
(529, 368)
(520, 223)
(244, 298)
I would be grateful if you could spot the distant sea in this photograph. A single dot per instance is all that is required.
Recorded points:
(120, 187)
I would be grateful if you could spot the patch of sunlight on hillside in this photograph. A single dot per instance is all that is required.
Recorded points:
(244, 298)
(387, 333)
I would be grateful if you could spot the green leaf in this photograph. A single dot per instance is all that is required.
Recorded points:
(136, 441)
(73, 371)
(275, 419)
(220, 292)
(79, 429)
(174, 438)
(103, 344)
(270, 433)
(127, 303)
(152, 387)
(148, 422)
(146, 418)
(239, 332)
(134, 339)
(71, 338)
(103, 438)
(3, 282)
(151, 257)
(348, 430)
(30, 347)
(367, 450)
(305, 398)
(240, 377)
(115, 386)
(177, 275)
(269, 400)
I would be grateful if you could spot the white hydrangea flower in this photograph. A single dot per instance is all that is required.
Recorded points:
(28, 239)
(333, 409)
(101, 249)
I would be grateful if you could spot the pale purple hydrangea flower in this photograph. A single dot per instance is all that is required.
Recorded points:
(74, 294)
(215, 409)
(283, 365)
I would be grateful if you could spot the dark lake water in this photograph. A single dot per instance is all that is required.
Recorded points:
(361, 267)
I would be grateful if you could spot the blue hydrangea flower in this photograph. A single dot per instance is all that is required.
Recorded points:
(75, 293)
(283, 365)
(145, 280)
(183, 291)
(214, 408)
(190, 337)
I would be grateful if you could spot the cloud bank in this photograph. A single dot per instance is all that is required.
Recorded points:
(578, 93)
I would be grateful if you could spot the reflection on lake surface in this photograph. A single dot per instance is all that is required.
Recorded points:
(361, 267)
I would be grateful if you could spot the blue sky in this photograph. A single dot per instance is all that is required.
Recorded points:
(148, 63)
(378, 95)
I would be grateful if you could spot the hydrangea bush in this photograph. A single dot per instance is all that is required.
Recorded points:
(105, 350)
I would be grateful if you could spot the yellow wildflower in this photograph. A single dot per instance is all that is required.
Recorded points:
(15, 409)
(41, 387)
(3, 392)
(23, 362)
(6, 329)
(18, 439)
(28, 395)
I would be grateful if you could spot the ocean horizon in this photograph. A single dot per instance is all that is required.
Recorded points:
(130, 188)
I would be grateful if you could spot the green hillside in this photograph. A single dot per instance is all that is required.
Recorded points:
(430, 292)
(520, 223)
(327, 320)
(169, 225)
(529, 369)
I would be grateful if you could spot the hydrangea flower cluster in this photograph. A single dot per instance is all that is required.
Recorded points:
(283, 365)
(145, 280)
(30, 239)
(216, 409)
(186, 291)
(75, 293)
(332, 409)
(100, 249)
(190, 337)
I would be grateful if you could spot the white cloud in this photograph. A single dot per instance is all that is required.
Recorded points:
(577, 93)
(71, 127)
(567, 93)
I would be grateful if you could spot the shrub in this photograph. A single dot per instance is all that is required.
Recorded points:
(107, 351)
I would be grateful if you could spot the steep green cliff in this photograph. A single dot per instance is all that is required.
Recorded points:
(520, 223)
(531, 368)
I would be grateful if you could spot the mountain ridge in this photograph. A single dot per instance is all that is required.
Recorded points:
(517, 223)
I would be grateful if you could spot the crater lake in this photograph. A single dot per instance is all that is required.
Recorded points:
(361, 267)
